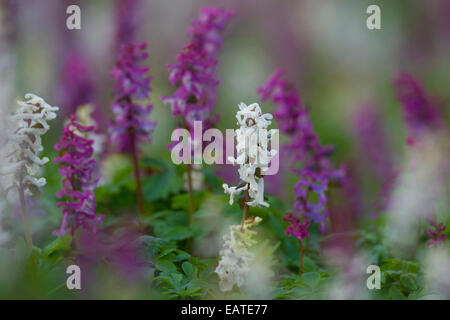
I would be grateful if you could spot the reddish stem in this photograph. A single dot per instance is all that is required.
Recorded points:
(416, 246)
(137, 174)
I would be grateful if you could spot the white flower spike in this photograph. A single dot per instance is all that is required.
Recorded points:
(20, 156)
(253, 157)
(236, 257)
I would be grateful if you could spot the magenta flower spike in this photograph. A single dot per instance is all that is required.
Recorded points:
(316, 170)
(418, 111)
(131, 118)
(131, 124)
(77, 85)
(294, 121)
(76, 168)
(296, 228)
(193, 74)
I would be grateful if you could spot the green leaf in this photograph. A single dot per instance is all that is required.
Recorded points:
(165, 266)
(160, 185)
(177, 233)
(311, 278)
(309, 265)
(62, 243)
(188, 269)
(396, 293)
(408, 281)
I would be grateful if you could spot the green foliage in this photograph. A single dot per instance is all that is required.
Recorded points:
(178, 274)
(400, 279)
(310, 285)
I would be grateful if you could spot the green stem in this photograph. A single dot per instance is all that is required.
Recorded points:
(26, 226)
(300, 265)
(191, 194)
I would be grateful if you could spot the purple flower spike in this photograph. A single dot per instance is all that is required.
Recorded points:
(194, 72)
(310, 196)
(207, 29)
(294, 120)
(296, 228)
(76, 168)
(435, 232)
(131, 118)
(77, 85)
(418, 111)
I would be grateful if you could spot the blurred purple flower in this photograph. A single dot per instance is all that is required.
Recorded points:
(120, 252)
(310, 194)
(131, 119)
(77, 87)
(206, 31)
(372, 141)
(194, 73)
(294, 120)
(418, 111)
(126, 12)
(435, 232)
(296, 228)
(76, 168)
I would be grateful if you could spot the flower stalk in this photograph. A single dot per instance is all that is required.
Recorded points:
(20, 156)
(131, 123)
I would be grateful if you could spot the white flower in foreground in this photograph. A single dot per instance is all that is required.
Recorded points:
(253, 157)
(236, 257)
(20, 161)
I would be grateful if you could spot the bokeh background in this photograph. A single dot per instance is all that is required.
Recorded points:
(336, 63)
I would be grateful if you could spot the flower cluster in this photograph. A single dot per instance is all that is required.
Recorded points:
(435, 233)
(310, 196)
(297, 228)
(294, 120)
(126, 18)
(419, 112)
(194, 73)
(316, 170)
(253, 157)
(131, 119)
(20, 155)
(76, 167)
(236, 258)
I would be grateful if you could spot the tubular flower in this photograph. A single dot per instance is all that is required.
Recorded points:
(131, 119)
(312, 186)
(76, 167)
(235, 256)
(419, 113)
(194, 73)
(296, 228)
(253, 157)
(20, 156)
(435, 233)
